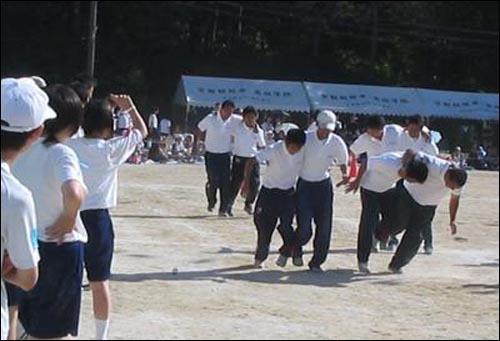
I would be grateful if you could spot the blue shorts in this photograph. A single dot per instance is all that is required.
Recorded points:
(99, 249)
(52, 309)
(14, 294)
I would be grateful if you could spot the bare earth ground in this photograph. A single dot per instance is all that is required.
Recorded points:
(161, 224)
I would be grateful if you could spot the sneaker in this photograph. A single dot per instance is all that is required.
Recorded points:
(316, 269)
(249, 209)
(223, 214)
(298, 261)
(258, 264)
(375, 246)
(363, 268)
(394, 270)
(281, 261)
(428, 250)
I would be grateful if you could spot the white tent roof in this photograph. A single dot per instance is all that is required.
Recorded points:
(262, 94)
(362, 99)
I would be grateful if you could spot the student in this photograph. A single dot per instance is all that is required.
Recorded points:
(276, 201)
(417, 204)
(379, 138)
(377, 178)
(218, 128)
(102, 155)
(153, 122)
(315, 195)
(24, 110)
(51, 170)
(248, 139)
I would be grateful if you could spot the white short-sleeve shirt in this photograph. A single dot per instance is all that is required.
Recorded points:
(19, 233)
(218, 132)
(382, 172)
(283, 168)
(100, 160)
(165, 125)
(320, 156)
(373, 147)
(418, 145)
(434, 189)
(246, 141)
(43, 169)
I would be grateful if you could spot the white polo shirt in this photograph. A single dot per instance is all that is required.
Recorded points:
(373, 147)
(44, 169)
(434, 189)
(124, 120)
(283, 168)
(165, 125)
(100, 160)
(382, 172)
(19, 238)
(246, 141)
(218, 132)
(419, 144)
(320, 156)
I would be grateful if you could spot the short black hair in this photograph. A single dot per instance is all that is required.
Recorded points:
(415, 119)
(295, 136)
(250, 110)
(68, 106)
(228, 103)
(98, 116)
(417, 170)
(459, 176)
(375, 122)
(13, 141)
(82, 88)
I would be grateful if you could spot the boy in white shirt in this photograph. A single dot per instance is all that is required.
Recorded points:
(102, 156)
(52, 172)
(322, 150)
(218, 128)
(277, 199)
(248, 140)
(378, 176)
(24, 110)
(417, 204)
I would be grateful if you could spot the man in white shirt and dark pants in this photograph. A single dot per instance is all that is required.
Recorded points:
(248, 139)
(218, 128)
(377, 177)
(417, 204)
(322, 150)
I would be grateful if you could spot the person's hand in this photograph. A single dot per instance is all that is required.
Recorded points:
(352, 186)
(123, 101)
(426, 133)
(453, 228)
(345, 180)
(60, 228)
(7, 266)
(245, 188)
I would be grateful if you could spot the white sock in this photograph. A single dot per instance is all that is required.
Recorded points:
(101, 329)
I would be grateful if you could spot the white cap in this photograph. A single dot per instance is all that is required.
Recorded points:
(286, 127)
(327, 120)
(25, 106)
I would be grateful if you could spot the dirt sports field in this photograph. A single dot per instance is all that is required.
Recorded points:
(162, 225)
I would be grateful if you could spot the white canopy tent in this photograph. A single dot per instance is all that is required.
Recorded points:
(262, 94)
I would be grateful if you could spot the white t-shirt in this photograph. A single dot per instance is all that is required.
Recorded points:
(100, 161)
(417, 145)
(44, 169)
(246, 141)
(320, 156)
(283, 168)
(218, 132)
(165, 125)
(124, 120)
(153, 121)
(373, 147)
(382, 172)
(19, 237)
(434, 189)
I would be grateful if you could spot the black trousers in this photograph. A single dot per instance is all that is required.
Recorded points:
(374, 205)
(218, 167)
(413, 219)
(274, 205)
(237, 176)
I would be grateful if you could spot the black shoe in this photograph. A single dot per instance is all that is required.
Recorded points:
(249, 209)
(230, 213)
(223, 214)
(210, 208)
